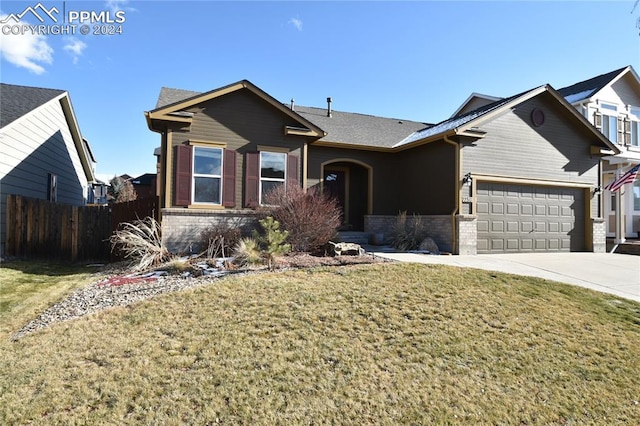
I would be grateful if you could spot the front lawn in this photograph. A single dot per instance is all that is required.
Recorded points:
(28, 288)
(383, 344)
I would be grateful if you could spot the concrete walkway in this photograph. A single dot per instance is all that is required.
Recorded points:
(617, 274)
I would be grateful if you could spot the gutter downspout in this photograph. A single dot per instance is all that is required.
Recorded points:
(454, 239)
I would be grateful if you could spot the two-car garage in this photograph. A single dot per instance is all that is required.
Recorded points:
(529, 218)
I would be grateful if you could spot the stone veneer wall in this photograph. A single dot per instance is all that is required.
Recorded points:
(467, 231)
(181, 228)
(599, 235)
(438, 227)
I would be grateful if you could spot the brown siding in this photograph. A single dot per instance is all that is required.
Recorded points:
(420, 180)
(242, 121)
(383, 168)
(428, 179)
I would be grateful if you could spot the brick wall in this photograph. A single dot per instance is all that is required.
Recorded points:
(181, 228)
(467, 231)
(599, 235)
(438, 227)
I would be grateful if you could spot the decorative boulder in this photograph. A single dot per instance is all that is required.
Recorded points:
(429, 245)
(347, 249)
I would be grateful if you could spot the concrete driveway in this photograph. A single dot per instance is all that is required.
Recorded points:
(617, 274)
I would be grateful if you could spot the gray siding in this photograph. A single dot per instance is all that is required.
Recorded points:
(242, 121)
(34, 146)
(514, 148)
(556, 151)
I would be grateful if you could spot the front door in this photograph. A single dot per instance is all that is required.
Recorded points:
(335, 185)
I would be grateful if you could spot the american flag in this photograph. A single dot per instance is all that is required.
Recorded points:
(628, 177)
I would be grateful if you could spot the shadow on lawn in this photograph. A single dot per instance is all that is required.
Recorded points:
(51, 269)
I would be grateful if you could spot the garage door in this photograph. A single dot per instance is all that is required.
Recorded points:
(522, 218)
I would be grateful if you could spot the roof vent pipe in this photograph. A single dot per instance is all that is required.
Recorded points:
(293, 104)
(328, 107)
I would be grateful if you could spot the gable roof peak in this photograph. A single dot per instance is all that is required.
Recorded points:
(16, 100)
(586, 89)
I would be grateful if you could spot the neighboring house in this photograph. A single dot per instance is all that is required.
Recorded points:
(514, 175)
(43, 152)
(611, 102)
(145, 185)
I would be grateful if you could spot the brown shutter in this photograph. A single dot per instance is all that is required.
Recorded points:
(251, 179)
(292, 170)
(229, 178)
(182, 182)
(627, 131)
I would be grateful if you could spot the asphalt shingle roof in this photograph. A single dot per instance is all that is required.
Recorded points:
(169, 96)
(587, 88)
(360, 129)
(16, 101)
(343, 127)
(457, 121)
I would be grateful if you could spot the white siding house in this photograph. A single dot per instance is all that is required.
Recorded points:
(611, 102)
(42, 152)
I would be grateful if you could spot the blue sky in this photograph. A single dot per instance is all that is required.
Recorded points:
(411, 60)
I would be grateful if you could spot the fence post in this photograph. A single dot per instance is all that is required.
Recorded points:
(10, 238)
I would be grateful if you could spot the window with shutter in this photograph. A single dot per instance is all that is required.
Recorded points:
(207, 175)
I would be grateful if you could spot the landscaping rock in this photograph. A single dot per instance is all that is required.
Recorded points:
(347, 249)
(429, 245)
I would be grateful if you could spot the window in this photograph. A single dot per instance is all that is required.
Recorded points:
(207, 175)
(636, 195)
(635, 128)
(52, 188)
(610, 127)
(272, 172)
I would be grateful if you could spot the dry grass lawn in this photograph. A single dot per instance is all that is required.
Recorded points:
(383, 344)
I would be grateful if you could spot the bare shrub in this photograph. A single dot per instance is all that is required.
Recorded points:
(220, 239)
(311, 218)
(122, 190)
(407, 235)
(140, 242)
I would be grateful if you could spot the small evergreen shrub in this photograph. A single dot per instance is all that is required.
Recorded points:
(310, 218)
(264, 246)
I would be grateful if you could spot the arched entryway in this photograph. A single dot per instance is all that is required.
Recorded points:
(350, 182)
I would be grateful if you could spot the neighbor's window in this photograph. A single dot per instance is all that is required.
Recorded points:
(272, 171)
(636, 195)
(52, 188)
(609, 125)
(207, 175)
(635, 128)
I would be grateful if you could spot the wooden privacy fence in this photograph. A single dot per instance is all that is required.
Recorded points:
(41, 229)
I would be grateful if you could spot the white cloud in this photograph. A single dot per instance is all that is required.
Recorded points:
(74, 47)
(296, 23)
(116, 5)
(26, 50)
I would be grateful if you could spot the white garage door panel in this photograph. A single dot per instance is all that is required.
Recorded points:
(522, 218)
